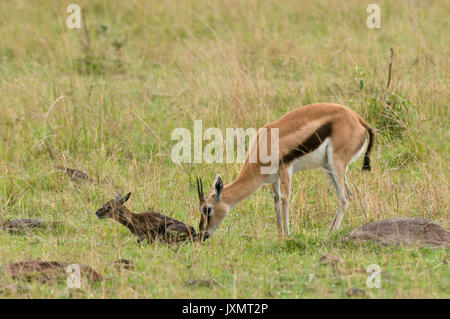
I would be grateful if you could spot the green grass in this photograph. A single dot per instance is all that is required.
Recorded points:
(153, 66)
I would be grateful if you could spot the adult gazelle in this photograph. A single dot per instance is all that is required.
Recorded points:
(322, 135)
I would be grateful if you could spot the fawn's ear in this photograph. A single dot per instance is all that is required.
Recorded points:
(218, 187)
(124, 199)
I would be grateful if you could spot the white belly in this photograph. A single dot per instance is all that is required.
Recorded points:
(315, 159)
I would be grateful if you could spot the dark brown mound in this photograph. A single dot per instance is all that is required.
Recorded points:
(22, 224)
(46, 271)
(403, 230)
(355, 292)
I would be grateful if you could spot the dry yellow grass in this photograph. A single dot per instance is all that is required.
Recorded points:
(152, 66)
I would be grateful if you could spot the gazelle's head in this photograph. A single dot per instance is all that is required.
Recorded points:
(212, 209)
(111, 208)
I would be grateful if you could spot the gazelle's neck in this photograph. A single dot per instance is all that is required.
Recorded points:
(239, 189)
(124, 216)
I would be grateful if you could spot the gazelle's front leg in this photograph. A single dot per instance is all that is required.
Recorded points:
(276, 198)
(285, 173)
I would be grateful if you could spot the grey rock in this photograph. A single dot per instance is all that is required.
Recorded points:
(403, 230)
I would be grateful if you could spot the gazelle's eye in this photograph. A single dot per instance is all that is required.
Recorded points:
(207, 211)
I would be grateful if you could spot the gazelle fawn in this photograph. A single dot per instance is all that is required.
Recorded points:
(322, 135)
(148, 225)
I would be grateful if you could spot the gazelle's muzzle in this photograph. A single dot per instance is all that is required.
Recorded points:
(204, 236)
(100, 214)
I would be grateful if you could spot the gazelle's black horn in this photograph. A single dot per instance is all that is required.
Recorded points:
(200, 189)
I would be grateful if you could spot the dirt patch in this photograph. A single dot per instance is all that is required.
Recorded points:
(205, 283)
(355, 292)
(75, 174)
(26, 225)
(46, 271)
(327, 259)
(403, 230)
(122, 263)
(22, 224)
(12, 289)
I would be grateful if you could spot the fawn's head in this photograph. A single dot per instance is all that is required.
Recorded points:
(212, 209)
(112, 207)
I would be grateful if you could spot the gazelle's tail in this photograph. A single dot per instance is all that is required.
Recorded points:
(366, 163)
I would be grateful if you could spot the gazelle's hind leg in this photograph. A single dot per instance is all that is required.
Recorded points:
(349, 191)
(336, 171)
(276, 198)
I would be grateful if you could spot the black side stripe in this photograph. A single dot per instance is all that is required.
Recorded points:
(310, 144)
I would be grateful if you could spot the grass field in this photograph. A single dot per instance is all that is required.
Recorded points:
(106, 102)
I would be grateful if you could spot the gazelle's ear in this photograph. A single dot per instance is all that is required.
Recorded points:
(124, 199)
(118, 196)
(218, 187)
